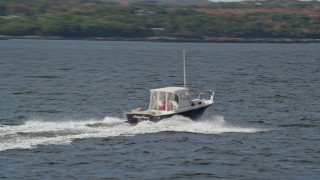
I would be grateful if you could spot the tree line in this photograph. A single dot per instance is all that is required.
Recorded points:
(96, 18)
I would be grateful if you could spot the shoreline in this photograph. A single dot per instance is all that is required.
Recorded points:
(173, 39)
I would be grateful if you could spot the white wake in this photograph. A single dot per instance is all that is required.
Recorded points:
(40, 132)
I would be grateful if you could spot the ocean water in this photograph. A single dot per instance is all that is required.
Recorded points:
(63, 102)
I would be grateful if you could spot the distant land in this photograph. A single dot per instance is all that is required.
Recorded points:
(162, 20)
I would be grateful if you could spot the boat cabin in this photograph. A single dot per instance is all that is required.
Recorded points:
(169, 98)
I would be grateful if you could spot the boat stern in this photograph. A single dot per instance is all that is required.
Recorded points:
(137, 117)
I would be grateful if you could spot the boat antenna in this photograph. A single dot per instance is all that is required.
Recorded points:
(184, 68)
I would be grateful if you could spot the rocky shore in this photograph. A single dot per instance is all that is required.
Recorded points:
(173, 39)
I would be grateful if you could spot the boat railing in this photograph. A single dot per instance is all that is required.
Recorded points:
(206, 95)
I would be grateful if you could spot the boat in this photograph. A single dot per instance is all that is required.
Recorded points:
(171, 101)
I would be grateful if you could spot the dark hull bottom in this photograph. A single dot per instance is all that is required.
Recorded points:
(194, 114)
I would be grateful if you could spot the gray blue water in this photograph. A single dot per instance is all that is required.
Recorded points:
(63, 102)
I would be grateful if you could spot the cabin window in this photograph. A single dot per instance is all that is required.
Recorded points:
(169, 101)
(162, 103)
(153, 101)
(184, 96)
(176, 99)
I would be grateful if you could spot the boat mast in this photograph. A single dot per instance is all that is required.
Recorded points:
(184, 68)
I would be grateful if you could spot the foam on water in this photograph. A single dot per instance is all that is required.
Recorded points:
(40, 132)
